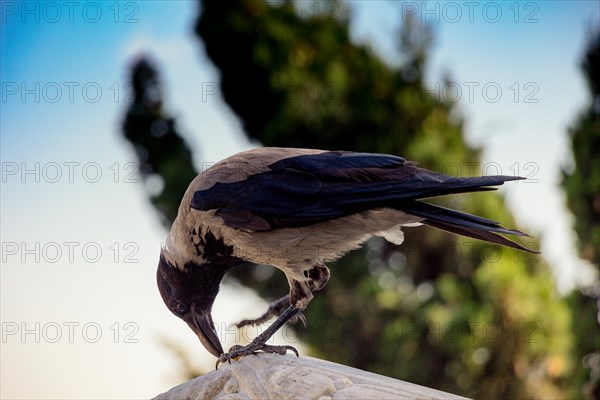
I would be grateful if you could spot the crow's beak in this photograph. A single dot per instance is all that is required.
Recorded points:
(203, 327)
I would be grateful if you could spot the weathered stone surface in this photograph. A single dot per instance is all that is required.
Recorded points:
(271, 376)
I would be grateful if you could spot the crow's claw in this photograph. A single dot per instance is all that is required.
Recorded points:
(299, 317)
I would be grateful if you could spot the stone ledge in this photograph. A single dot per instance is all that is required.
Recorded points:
(271, 376)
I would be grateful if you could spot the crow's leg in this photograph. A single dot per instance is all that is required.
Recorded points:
(301, 293)
(259, 343)
(275, 310)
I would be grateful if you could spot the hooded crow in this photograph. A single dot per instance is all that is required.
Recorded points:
(296, 209)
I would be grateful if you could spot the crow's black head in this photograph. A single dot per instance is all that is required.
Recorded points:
(189, 293)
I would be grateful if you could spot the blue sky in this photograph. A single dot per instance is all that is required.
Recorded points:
(63, 212)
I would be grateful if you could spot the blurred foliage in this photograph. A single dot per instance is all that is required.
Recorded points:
(442, 311)
(581, 183)
(164, 158)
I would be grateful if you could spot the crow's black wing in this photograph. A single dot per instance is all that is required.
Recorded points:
(307, 189)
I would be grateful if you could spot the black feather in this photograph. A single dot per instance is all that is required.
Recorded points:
(464, 224)
(308, 189)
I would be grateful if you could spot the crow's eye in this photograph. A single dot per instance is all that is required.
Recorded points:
(181, 308)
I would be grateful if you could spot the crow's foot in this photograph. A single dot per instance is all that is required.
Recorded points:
(275, 310)
(259, 343)
(237, 351)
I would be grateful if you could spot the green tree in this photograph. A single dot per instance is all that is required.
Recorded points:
(581, 186)
(442, 311)
(582, 183)
(164, 157)
(422, 311)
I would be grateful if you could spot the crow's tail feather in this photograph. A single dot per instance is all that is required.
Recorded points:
(464, 224)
